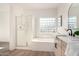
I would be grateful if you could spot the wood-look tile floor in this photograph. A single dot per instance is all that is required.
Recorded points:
(19, 52)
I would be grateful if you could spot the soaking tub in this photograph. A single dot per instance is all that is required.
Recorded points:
(43, 44)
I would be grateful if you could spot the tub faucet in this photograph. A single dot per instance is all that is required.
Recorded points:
(70, 31)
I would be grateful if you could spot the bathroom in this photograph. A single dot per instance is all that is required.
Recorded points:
(35, 26)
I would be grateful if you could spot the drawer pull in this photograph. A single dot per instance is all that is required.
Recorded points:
(55, 45)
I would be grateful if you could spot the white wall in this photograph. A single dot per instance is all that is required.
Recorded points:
(63, 11)
(14, 11)
(41, 12)
(4, 23)
(37, 13)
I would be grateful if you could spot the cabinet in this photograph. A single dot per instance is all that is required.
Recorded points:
(60, 47)
(63, 44)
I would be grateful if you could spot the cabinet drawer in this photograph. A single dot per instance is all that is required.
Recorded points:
(63, 48)
(63, 52)
(58, 52)
(64, 44)
(58, 41)
(59, 46)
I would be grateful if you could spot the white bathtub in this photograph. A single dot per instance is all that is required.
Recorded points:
(43, 44)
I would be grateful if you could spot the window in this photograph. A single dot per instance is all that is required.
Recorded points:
(59, 21)
(47, 24)
(73, 22)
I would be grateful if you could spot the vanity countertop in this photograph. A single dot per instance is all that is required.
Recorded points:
(69, 39)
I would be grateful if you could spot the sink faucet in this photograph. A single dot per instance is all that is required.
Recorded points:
(71, 32)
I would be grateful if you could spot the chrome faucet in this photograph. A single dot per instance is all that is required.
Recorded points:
(71, 34)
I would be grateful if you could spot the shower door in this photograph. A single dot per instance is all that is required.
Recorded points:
(24, 30)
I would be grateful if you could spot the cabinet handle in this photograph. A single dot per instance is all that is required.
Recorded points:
(55, 45)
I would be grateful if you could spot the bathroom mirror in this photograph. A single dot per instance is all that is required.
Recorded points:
(73, 17)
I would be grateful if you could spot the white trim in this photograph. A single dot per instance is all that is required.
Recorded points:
(26, 48)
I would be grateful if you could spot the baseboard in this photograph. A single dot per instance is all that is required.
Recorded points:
(25, 48)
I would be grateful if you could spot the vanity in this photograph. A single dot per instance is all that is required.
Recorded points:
(67, 46)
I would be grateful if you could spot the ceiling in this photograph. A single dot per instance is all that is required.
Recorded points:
(38, 5)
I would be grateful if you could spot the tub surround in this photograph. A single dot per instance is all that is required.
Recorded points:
(42, 44)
